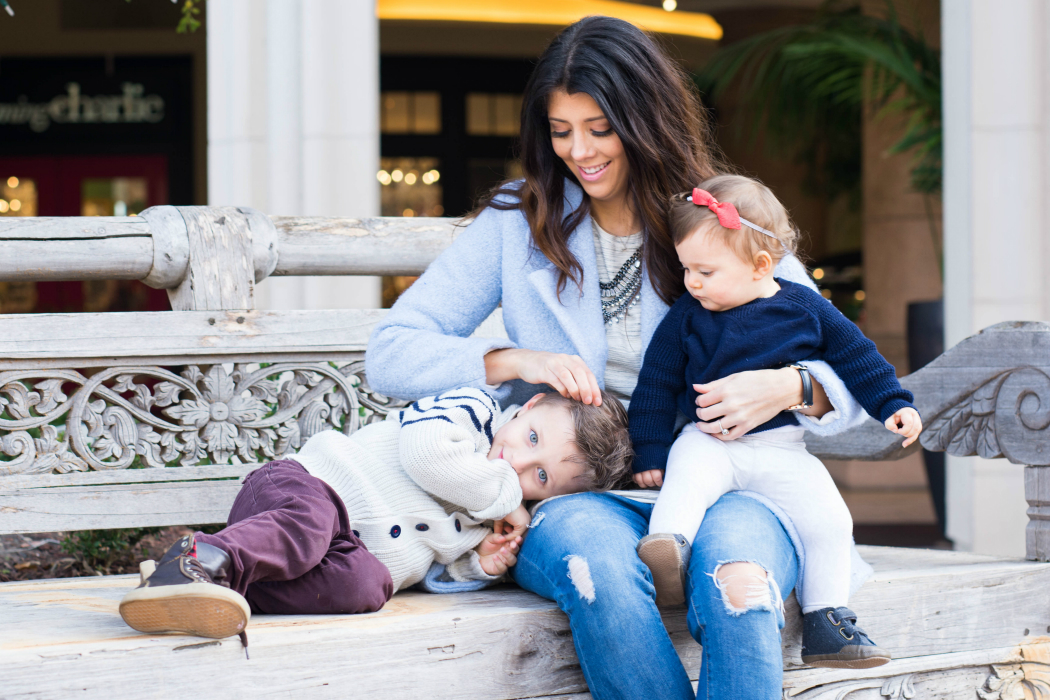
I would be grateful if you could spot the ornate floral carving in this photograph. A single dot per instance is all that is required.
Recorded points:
(893, 688)
(1025, 681)
(61, 421)
(997, 419)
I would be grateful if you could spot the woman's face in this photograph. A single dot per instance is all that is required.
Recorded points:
(584, 139)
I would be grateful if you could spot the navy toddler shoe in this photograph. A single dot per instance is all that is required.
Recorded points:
(831, 639)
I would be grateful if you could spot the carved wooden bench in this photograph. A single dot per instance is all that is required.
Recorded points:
(150, 419)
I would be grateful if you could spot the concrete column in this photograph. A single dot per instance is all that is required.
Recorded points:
(996, 67)
(293, 123)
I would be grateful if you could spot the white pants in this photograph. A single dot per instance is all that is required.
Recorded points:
(701, 468)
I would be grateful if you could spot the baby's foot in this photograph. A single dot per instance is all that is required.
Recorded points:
(667, 557)
(831, 639)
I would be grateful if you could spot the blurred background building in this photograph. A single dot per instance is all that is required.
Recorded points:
(409, 108)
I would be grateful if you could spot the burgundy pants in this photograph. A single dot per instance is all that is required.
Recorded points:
(292, 549)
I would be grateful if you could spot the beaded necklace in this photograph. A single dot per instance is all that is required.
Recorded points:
(621, 292)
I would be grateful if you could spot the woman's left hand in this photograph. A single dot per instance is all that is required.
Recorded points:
(745, 400)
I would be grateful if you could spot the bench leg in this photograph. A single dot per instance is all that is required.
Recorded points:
(1037, 493)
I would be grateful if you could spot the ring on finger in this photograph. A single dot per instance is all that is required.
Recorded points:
(724, 431)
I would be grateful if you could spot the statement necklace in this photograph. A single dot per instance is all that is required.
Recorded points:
(621, 292)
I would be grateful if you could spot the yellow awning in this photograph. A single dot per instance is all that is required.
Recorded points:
(551, 12)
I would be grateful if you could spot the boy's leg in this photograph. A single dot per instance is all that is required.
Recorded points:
(699, 471)
(348, 580)
(281, 525)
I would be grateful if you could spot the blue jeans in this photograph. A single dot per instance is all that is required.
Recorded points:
(580, 553)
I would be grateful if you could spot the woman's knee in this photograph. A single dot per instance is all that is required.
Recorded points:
(744, 586)
(576, 555)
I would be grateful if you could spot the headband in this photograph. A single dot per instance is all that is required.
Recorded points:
(727, 214)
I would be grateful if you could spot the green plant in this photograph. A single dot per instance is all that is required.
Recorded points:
(803, 88)
(99, 550)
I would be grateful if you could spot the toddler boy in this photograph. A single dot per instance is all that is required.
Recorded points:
(340, 526)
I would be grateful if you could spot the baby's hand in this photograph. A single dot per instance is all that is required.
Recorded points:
(496, 554)
(513, 524)
(652, 479)
(905, 422)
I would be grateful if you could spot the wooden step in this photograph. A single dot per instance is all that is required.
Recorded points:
(938, 612)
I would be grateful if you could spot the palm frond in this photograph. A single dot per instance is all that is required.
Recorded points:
(797, 85)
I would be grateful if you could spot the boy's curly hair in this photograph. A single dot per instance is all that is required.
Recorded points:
(602, 439)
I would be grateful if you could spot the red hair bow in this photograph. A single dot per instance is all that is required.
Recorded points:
(726, 212)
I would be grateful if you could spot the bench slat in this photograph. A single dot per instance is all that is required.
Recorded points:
(176, 338)
(64, 636)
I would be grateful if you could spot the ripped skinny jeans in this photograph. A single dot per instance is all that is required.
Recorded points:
(580, 553)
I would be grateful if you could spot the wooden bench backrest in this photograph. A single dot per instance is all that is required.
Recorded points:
(148, 419)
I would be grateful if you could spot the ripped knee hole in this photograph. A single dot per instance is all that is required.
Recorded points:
(745, 586)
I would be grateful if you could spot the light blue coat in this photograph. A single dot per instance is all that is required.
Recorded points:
(423, 346)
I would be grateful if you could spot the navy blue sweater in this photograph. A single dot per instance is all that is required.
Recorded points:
(696, 346)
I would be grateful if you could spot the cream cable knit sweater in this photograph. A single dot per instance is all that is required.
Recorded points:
(419, 485)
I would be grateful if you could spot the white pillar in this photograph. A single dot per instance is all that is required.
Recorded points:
(996, 68)
(293, 123)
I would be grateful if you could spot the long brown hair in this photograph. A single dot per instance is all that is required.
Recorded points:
(651, 105)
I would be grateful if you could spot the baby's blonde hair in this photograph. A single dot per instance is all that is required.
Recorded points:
(754, 202)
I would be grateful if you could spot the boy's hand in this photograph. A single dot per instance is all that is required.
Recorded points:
(652, 479)
(513, 524)
(496, 554)
(905, 422)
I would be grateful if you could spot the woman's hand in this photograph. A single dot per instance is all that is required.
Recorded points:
(745, 400)
(567, 374)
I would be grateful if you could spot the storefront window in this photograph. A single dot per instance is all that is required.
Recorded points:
(17, 198)
(493, 114)
(410, 113)
(411, 186)
(113, 196)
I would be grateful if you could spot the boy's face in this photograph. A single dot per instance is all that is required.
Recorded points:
(715, 275)
(538, 443)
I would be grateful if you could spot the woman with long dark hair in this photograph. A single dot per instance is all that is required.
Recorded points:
(580, 258)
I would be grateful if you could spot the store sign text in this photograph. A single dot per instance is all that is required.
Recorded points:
(131, 107)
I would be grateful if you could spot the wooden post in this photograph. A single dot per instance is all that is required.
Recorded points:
(228, 249)
(1037, 493)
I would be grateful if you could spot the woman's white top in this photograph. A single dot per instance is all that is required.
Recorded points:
(624, 338)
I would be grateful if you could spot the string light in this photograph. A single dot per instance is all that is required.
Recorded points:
(818, 274)
(383, 177)
(859, 295)
(4, 206)
(397, 176)
(12, 182)
(16, 204)
(410, 179)
(670, 5)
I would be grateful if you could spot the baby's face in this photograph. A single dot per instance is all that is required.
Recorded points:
(538, 443)
(715, 275)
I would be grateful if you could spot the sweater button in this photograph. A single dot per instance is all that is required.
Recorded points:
(395, 531)
(356, 533)
(422, 527)
(459, 528)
